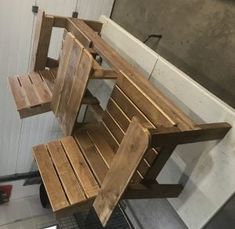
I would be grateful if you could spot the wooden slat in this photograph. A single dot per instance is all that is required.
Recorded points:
(128, 107)
(150, 109)
(102, 146)
(29, 90)
(50, 179)
(108, 136)
(71, 27)
(19, 95)
(64, 61)
(65, 172)
(124, 68)
(71, 83)
(41, 87)
(48, 78)
(81, 169)
(124, 165)
(77, 91)
(42, 39)
(92, 156)
(121, 118)
(113, 126)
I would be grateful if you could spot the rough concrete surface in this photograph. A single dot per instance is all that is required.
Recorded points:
(198, 37)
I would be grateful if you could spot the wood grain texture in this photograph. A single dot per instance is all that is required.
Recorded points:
(71, 83)
(71, 186)
(80, 166)
(50, 179)
(125, 163)
(42, 39)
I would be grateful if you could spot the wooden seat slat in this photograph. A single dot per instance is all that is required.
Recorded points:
(41, 88)
(48, 77)
(71, 186)
(18, 93)
(50, 179)
(101, 145)
(80, 167)
(92, 156)
(29, 90)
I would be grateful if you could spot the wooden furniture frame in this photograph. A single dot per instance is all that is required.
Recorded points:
(33, 92)
(121, 155)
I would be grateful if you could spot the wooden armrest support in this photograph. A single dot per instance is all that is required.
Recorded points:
(140, 191)
(125, 162)
(204, 132)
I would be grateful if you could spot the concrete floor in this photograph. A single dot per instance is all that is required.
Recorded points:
(198, 37)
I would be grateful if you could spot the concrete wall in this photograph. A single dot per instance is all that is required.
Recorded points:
(198, 37)
(204, 168)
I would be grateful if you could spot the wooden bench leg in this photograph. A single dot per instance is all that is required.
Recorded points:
(139, 191)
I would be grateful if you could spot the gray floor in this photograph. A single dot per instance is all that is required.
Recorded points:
(198, 37)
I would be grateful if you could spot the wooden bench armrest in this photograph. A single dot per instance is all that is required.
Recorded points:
(203, 132)
(130, 153)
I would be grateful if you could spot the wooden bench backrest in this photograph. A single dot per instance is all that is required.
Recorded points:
(71, 82)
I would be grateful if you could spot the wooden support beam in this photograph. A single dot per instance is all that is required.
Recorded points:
(60, 22)
(52, 63)
(205, 132)
(70, 26)
(95, 25)
(41, 43)
(104, 74)
(140, 191)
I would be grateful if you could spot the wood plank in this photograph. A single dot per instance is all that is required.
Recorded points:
(48, 78)
(80, 166)
(73, 190)
(20, 98)
(128, 107)
(77, 91)
(205, 132)
(151, 110)
(93, 158)
(95, 25)
(50, 179)
(102, 146)
(121, 118)
(71, 27)
(52, 63)
(42, 39)
(64, 61)
(29, 90)
(125, 163)
(108, 136)
(121, 65)
(41, 88)
(104, 74)
(113, 127)
(140, 191)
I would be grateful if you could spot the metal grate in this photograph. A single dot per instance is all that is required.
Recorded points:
(89, 220)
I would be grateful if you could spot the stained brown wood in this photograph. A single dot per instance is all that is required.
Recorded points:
(41, 43)
(71, 186)
(125, 162)
(80, 166)
(161, 103)
(50, 179)
(71, 83)
(140, 191)
(94, 159)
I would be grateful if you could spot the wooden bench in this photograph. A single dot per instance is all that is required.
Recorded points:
(137, 134)
(120, 155)
(33, 92)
